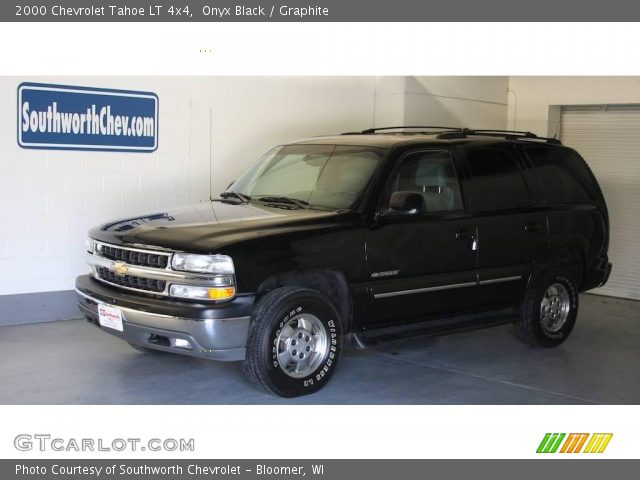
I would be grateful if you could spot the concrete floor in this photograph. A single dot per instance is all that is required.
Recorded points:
(72, 362)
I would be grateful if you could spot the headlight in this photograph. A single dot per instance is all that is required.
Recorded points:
(188, 262)
(220, 287)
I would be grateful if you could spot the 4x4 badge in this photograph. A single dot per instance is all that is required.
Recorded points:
(119, 268)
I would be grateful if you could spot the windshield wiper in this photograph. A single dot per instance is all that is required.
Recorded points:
(239, 196)
(284, 200)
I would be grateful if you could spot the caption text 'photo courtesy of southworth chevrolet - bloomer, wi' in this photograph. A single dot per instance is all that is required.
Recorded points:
(353, 239)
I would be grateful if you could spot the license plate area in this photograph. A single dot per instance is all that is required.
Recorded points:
(110, 317)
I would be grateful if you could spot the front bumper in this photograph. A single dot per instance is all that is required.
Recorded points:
(217, 332)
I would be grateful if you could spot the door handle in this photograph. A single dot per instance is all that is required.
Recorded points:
(464, 234)
(468, 235)
(532, 227)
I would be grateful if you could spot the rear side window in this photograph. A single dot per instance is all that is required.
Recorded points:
(496, 180)
(562, 175)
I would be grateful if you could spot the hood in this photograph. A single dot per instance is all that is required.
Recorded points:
(208, 226)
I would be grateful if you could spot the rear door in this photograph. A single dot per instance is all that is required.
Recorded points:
(512, 230)
(421, 265)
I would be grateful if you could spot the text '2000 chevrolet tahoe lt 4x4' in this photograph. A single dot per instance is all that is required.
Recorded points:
(360, 237)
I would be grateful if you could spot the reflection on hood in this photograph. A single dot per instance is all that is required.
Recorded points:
(131, 223)
(207, 226)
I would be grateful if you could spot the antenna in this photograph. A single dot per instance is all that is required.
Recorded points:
(558, 110)
(555, 134)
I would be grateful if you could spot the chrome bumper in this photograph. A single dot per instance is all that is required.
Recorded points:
(213, 338)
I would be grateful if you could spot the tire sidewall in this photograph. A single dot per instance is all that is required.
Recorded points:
(567, 280)
(300, 303)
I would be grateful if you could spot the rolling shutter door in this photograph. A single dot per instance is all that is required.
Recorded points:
(609, 140)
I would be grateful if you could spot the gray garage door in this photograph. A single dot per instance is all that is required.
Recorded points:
(609, 139)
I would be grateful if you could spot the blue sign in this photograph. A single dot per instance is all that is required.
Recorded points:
(82, 118)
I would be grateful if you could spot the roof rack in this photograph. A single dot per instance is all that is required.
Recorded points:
(507, 134)
(370, 131)
(445, 133)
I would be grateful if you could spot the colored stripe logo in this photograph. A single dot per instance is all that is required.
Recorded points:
(574, 443)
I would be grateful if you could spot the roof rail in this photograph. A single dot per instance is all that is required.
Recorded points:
(370, 131)
(515, 133)
(457, 132)
(507, 134)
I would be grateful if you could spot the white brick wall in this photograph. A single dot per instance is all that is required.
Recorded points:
(49, 199)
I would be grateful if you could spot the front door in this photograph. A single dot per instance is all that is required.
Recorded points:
(421, 264)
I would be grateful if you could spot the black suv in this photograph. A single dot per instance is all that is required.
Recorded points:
(358, 237)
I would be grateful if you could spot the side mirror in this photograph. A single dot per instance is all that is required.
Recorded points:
(407, 202)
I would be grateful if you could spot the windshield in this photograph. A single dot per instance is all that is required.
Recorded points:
(326, 176)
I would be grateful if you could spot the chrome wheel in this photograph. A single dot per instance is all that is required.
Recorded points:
(554, 308)
(301, 345)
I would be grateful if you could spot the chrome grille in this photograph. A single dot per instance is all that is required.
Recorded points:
(141, 270)
(138, 283)
(134, 257)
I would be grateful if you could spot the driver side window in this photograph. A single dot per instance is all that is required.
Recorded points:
(432, 175)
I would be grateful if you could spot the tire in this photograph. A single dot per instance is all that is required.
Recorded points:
(294, 342)
(548, 313)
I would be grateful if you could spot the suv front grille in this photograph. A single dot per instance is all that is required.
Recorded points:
(139, 283)
(134, 257)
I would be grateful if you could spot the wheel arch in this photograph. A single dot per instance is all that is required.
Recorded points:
(572, 256)
(331, 283)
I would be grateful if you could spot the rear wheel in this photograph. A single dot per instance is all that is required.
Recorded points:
(550, 308)
(294, 342)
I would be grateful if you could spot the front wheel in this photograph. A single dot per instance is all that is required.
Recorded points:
(550, 308)
(294, 342)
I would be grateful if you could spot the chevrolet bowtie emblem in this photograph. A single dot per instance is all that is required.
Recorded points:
(119, 268)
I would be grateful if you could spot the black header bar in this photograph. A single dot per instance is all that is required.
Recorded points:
(532, 469)
(319, 11)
